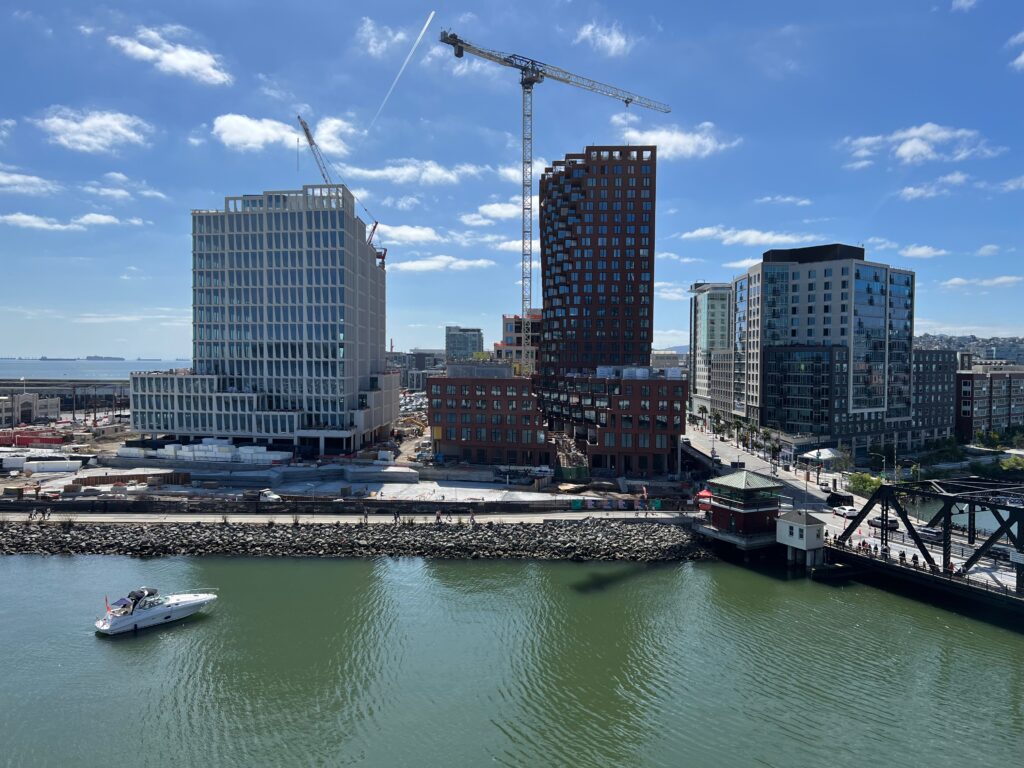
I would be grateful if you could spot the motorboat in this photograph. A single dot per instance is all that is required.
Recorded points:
(145, 607)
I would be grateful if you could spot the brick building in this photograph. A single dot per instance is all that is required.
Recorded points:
(989, 397)
(483, 414)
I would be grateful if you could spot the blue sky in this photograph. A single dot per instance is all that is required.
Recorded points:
(893, 125)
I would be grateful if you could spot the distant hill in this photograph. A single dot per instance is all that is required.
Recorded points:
(682, 349)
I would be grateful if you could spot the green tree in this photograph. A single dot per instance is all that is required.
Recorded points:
(863, 484)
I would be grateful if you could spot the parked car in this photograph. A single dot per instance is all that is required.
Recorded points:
(930, 534)
(891, 523)
(845, 511)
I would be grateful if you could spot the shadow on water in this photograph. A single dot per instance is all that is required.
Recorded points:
(961, 606)
(598, 581)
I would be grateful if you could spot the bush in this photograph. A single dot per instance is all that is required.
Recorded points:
(863, 484)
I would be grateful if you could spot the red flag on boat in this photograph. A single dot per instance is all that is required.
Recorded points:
(106, 600)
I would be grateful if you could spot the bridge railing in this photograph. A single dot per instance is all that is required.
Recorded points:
(975, 582)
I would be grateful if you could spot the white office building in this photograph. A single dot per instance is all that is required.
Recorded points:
(288, 329)
(709, 334)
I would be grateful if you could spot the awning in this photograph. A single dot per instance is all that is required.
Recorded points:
(822, 454)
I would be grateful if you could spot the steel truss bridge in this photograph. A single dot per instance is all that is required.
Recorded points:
(958, 496)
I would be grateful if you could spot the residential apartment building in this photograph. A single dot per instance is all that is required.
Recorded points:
(484, 414)
(513, 348)
(989, 397)
(462, 343)
(820, 350)
(288, 329)
(709, 333)
(594, 382)
(935, 394)
(597, 231)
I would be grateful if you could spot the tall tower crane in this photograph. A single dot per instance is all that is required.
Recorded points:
(532, 72)
(322, 165)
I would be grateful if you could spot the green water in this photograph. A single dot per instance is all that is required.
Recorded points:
(412, 662)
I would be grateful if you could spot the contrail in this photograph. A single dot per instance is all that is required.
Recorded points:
(405, 63)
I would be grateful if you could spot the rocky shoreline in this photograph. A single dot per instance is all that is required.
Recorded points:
(556, 540)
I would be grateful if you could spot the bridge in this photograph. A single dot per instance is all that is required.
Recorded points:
(957, 496)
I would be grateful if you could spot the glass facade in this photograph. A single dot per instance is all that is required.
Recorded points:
(741, 290)
(867, 385)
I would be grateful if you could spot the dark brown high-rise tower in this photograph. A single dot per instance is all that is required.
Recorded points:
(597, 259)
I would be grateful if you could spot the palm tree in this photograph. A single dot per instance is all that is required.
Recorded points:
(716, 421)
(703, 411)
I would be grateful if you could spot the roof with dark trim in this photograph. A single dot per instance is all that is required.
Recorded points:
(745, 480)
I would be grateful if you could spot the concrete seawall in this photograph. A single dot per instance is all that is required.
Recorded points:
(552, 540)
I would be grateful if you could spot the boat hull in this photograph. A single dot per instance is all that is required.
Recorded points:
(176, 607)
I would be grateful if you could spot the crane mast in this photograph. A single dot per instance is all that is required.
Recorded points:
(532, 72)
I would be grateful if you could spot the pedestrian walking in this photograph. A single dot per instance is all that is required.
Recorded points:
(366, 517)
(437, 516)
(472, 518)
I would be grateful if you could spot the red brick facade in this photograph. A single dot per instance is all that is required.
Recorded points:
(486, 421)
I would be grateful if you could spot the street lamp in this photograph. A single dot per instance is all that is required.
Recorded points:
(882, 457)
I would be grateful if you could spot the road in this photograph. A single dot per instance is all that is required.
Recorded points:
(326, 519)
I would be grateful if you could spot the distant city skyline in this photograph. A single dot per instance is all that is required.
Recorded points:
(793, 123)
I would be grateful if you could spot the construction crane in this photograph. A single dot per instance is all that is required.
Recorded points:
(322, 165)
(532, 72)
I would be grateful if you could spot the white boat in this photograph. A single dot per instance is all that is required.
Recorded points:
(143, 607)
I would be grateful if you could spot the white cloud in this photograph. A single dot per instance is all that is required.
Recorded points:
(172, 58)
(25, 184)
(118, 187)
(622, 119)
(922, 252)
(935, 188)
(251, 134)
(608, 41)
(987, 250)
(501, 210)
(413, 171)
(248, 134)
(31, 221)
(162, 315)
(6, 126)
(439, 263)
(1017, 39)
(516, 246)
(919, 144)
(111, 193)
(858, 165)
(86, 30)
(360, 193)
(1003, 281)
(91, 219)
(404, 203)
(79, 223)
(378, 39)
(1018, 63)
(882, 244)
(963, 5)
(475, 220)
(670, 292)
(748, 237)
(784, 200)
(514, 173)
(675, 143)
(1011, 185)
(742, 263)
(330, 135)
(94, 131)
(406, 234)
(669, 256)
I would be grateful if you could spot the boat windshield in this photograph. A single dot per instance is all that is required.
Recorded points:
(150, 602)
